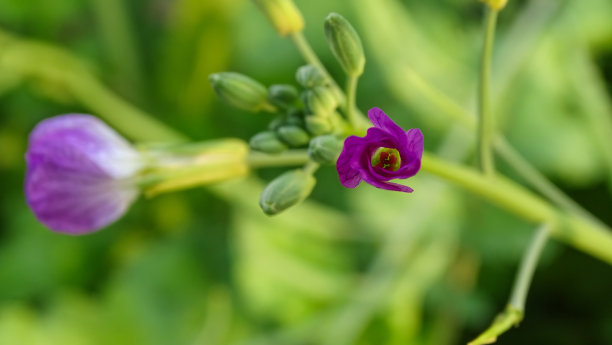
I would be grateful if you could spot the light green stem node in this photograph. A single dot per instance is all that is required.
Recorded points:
(509, 318)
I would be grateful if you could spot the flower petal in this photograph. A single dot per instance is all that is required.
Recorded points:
(348, 164)
(377, 137)
(86, 134)
(415, 142)
(74, 202)
(78, 173)
(388, 185)
(382, 121)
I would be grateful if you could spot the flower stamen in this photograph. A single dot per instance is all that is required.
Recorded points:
(387, 159)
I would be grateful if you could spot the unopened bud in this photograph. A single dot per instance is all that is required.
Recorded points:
(267, 142)
(345, 44)
(325, 149)
(239, 90)
(293, 135)
(310, 76)
(283, 96)
(283, 14)
(295, 117)
(496, 4)
(318, 125)
(276, 123)
(285, 191)
(320, 100)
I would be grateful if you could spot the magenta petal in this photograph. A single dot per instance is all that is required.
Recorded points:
(382, 121)
(348, 162)
(79, 175)
(388, 185)
(415, 142)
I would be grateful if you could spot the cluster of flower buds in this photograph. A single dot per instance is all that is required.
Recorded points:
(307, 119)
(302, 116)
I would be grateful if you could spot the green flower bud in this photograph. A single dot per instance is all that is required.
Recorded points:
(325, 149)
(283, 96)
(267, 142)
(293, 135)
(239, 91)
(295, 117)
(309, 76)
(285, 191)
(345, 44)
(283, 14)
(318, 125)
(276, 123)
(320, 101)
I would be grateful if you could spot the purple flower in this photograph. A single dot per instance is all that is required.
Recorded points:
(385, 153)
(80, 174)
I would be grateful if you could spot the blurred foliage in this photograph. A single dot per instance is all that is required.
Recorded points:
(358, 266)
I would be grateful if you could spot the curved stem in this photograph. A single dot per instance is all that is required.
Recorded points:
(527, 269)
(513, 314)
(569, 228)
(485, 123)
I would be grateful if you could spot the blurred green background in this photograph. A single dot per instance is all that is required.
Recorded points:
(358, 266)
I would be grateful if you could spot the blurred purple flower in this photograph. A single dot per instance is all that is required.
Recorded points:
(385, 153)
(80, 174)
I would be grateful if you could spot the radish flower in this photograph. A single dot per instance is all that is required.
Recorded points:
(386, 153)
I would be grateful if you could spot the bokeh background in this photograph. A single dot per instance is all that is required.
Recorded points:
(361, 266)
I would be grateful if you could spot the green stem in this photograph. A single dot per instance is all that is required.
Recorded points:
(485, 123)
(263, 160)
(311, 57)
(543, 185)
(311, 167)
(269, 108)
(126, 118)
(351, 90)
(527, 269)
(118, 37)
(569, 228)
(513, 314)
